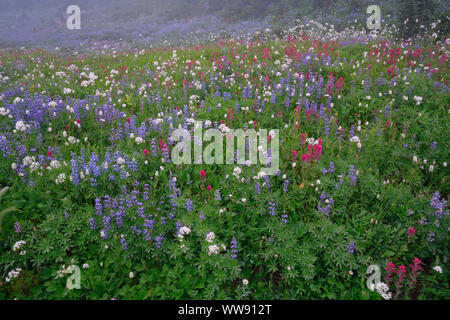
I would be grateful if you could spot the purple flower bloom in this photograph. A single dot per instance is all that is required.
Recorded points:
(352, 176)
(92, 223)
(123, 242)
(433, 145)
(257, 188)
(98, 206)
(284, 218)
(351, 247)
(285, 185)
(158, 241)
(17, 227)
(272, 208)
(189, 205)
(233, 247)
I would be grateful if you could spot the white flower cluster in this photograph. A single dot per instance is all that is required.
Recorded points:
(63, 271)
(184, 231)
(193, 99)
(4, 111)
(18, 245)
(54, 164)
(383, 290)
(31, 163)
(312, 141)
(356, 140)
(210, 237)
(418, 100)
(139, 140)
(21, 126)
(223, 128)
(92, 77)
(61, 178)
(236, 172)
(214, 248)
(13, 274)
(260, 175)
(437, 269)
(17, 100)
(72, 140)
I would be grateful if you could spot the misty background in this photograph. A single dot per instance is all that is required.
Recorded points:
(111, 23)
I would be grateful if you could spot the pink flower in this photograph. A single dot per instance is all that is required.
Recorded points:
(294, 155)
(208, 188)
(202, 175)
(411, 232)
(302, 139)
(415, 267)
(390, 268)
(401, 271)
(416, 264)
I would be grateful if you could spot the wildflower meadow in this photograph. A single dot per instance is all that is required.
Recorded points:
(304, 162)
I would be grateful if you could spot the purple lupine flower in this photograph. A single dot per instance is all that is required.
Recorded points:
(433, 145)
(257, 188)
(148, 223)
(217, 196)
(189, 205)
(92, 223)
(172, 186)
(324, 205)
(285, 185)
(17, 227)
(98, 206)
(75, 177)
(331, 167)
(106, 226)
(123, 242)
(272, 208)
(158, 241)
(351, 247)
(326, 123)
(284, 217)
(352, 176)
(266, 182)
(233, 247)
(178, 226)
(438, 205)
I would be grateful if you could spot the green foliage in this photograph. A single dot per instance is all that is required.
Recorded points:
(302, 251)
